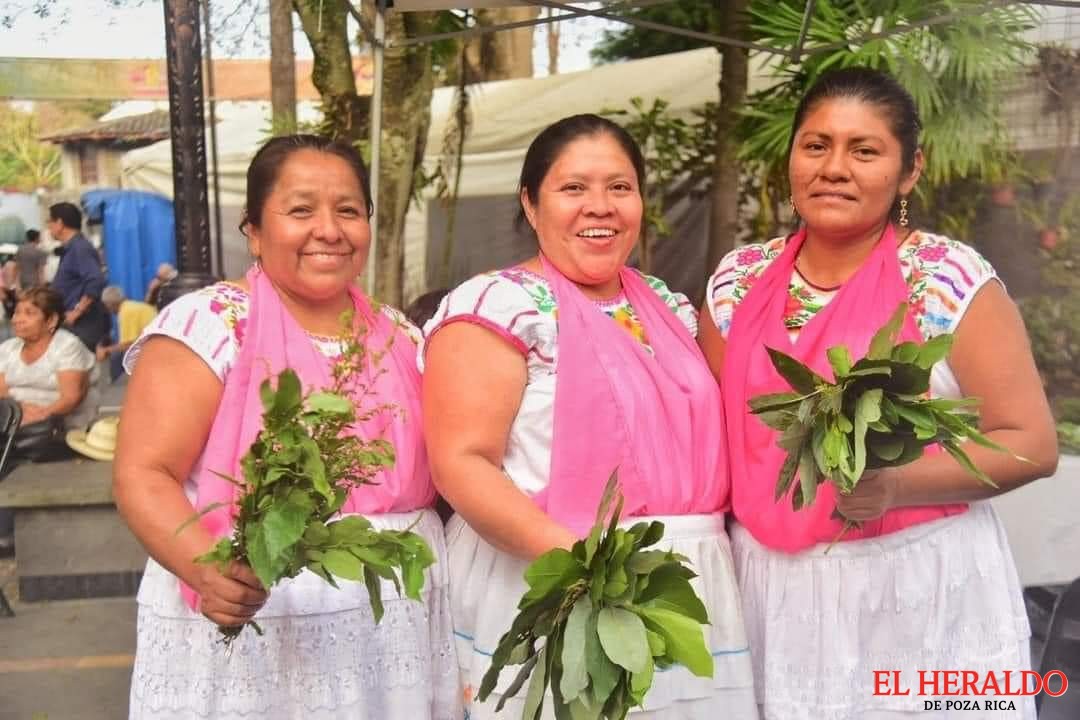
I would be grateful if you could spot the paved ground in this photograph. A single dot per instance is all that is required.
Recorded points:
(65, 660)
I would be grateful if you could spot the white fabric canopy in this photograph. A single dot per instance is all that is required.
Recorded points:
(506, 116)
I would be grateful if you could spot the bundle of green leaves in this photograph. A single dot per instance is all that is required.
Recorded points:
(609, 612)
(297, 475)
(876, 414)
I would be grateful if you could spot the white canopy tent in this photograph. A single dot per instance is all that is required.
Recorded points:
(506, 116)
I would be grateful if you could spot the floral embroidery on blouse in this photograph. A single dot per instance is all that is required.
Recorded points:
(230, 303)
(618, 308)
(942, 275)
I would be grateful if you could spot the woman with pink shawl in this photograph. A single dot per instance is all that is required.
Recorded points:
(543, 378)
(191, 412)
(927, 582)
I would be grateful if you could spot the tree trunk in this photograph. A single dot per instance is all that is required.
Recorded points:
(408, 82)
(345, 114)
(505, 54)
(553, 34)
(724, 205)
(282, 68)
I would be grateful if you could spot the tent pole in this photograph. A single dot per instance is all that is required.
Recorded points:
(214, 169)
(376, 134)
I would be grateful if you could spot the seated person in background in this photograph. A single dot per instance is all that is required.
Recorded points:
(131, 317)
(165, 273)
(44, 367)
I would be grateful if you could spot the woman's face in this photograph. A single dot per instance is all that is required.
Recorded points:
(846, 168)
(29, 322)
(313, 236)
(588, 210)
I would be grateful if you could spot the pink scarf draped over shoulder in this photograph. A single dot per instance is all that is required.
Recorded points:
(273, 341)
(656, 417)
(861, 307)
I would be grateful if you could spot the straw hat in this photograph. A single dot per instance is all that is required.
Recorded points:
(99, 443)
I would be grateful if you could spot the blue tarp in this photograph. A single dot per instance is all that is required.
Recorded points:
(138, 235)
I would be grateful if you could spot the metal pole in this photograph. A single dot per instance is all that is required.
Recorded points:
(377, 48)
(183, 55)
(219, 262)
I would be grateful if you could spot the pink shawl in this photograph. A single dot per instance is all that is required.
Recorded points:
(656, 418)
(274, 341)
(862, 306)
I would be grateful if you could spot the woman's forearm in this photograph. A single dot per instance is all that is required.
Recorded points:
(500, 512)
(154, 506)
(938, 479)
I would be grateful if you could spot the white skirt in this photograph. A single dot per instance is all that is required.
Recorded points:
(322, 656)
(942, 595)
(486, 585)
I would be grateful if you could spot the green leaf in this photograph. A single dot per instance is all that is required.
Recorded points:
(840, 360)
(287, 397)
(527, 667)
(622, 635)
(641, 682)
(343, 564)
(867, 410)
(284, 524)
(349, 530)
(799, 376)
(774, 401)
(330, 403)
(882, 343)
(886, 447)
(786, 474)
(374, 589)
(267, 567)
(683, 637)
(603, 673)
(610, 491)
(575, 676)
(934, 350)
(808, 477)
(550, 571)
(678, 596)
(412, 577)
(534, 698)
(905, 352)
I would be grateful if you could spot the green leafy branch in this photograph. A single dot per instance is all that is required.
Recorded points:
(876, 414)
(609, 612)
(298, 474)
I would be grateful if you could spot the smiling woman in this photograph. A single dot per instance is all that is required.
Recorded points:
(927, 580)
(322, 654)
(543, 378)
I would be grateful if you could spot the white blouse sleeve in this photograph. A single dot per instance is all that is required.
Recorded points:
(209, 322)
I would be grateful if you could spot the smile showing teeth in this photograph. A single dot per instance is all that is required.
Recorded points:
(597, 233)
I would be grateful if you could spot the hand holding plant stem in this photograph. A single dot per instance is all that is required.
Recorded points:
(876, 414)
(297, 475)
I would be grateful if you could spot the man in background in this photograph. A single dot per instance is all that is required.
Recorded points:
(79, 278)
(30, 261)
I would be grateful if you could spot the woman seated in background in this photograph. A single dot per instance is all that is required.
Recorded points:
(44, 367)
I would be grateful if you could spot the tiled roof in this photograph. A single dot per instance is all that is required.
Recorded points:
(151, 126)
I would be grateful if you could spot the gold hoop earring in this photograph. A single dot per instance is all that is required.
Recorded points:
(791, 202)
(903, 212)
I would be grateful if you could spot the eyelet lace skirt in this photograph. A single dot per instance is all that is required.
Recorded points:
(322, 656)
(942, 595)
